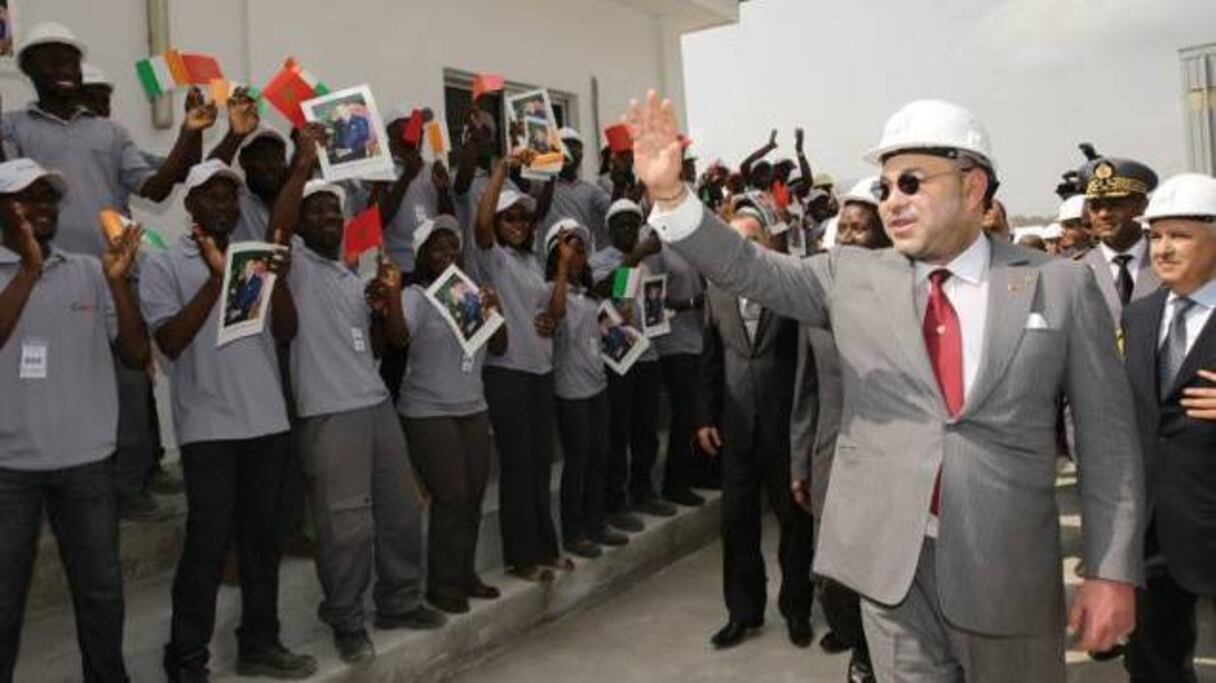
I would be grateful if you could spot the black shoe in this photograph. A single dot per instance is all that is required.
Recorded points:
(191, 672)
(606, 536)
(354, 646)
(800, 632)
(142, 507)
(583, 547)
(483, 591)
(625, 522)
(276, 662)
(707, 484)
(449, 602)
(421, 618)
(861, 672)
(832, 643)
(1107, 655)
(686, 498)
(733, 633)
(654, 507)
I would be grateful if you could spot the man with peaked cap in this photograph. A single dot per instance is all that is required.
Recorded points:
(953, 347)
(1116, 192)
(1170, 339)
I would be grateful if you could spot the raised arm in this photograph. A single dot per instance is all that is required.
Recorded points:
(286, 212)
(390, 202)
(17, 292)
(178, 332)
(117, 262)
(803, 165)
(187, 150)
(243, 119)
(745, 168)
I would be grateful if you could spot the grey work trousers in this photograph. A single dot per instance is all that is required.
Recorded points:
(366, 507)
(912, 642)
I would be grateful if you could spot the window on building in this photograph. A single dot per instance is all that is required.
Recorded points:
(458, 100)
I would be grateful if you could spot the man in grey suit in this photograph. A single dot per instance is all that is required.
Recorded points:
(747, 385)
(953, 349)
(1116, 192)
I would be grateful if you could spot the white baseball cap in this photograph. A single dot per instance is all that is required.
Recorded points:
(315, 186)
(623, 206)
(48, 33)
(1071, 208)
(510, 198)
(18, 174)
(428, 227)
(201, 173)
(566, 225)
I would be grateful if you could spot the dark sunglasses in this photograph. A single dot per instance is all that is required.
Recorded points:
(908, 183)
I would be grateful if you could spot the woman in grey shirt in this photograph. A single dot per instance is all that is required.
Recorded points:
(519, 384)
(443, 409)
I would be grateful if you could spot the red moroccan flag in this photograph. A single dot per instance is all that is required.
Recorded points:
(619, 139)
(363, 232)
(291, 86)
(201, 69)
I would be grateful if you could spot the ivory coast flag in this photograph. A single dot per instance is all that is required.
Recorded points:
(155, 75)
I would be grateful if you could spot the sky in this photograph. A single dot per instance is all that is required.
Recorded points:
(1043, 75)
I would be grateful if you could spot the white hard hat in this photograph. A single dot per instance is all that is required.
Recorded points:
(428, 227)
(1071, 209)
(201, 173)
(1188, 195)
(1052, 232)
(46, 33)
(92, 75)
(316, 186)
(934, 125)
(862, 192)
(18, 174)
(566, 225)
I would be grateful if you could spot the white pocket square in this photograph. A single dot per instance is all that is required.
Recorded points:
(1036, 321)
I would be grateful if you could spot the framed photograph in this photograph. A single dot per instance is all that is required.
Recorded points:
(654, 306)
(620, 345)
(245, 295)
(358, 145)
(458, 300)
(532, 122)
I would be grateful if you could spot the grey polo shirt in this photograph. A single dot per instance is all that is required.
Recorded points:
(96, 156)
(606, 260)
(683, 283)
(586, 203)
(254, 220)
(230, 392)
(419, 203)
(466, 214)
(518, 277)
(333, 369)
(578, 369)
(440, 380)
(58, 393)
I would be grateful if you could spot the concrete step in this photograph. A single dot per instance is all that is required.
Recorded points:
(49, 651)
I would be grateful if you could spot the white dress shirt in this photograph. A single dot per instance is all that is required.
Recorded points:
(1138, 252)
(967, 289)
(1196, 317)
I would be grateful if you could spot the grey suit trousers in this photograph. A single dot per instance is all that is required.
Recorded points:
(913, 643)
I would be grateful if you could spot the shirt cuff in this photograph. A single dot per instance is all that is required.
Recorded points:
(680, 222)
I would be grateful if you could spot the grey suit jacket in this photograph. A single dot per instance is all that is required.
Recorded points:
(998, 544)
(815, 417)
(1147, 281)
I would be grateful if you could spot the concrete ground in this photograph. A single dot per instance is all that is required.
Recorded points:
(659, 631)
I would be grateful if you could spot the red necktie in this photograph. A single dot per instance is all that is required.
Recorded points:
(944, 342)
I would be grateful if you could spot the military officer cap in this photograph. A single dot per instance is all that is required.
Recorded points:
(1110, 177)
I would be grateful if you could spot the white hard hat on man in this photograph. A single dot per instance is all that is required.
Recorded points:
(1187, 195)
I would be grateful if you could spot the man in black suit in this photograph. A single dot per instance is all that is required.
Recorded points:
(1170, 340)
(747, 382)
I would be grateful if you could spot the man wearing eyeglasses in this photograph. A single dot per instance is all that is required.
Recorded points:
(1116, 193)
(953, 351)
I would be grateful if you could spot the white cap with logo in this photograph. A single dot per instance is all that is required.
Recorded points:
(510, 198)
(1071, 208)
(201, 173)
(428, 227)
(566, 225)
(18, 174)
(317, 186)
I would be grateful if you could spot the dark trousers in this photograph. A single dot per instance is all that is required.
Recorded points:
(293, 497)
(633, 435)
(84, 516)
(680, 377)
(367, 511)
(583, 425)
(452, 455)
(232, 490)
(521, 410)
(1162, 648)
(842, 607)
(392, 368)
(138, 437)
(747, 470)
